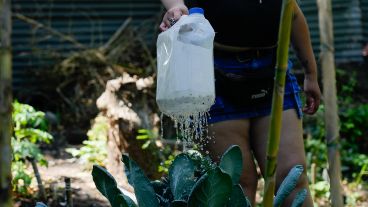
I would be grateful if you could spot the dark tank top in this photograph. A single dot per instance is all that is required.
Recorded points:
(242, 23)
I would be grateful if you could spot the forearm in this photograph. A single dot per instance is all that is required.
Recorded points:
(172, 3)
(301, 42)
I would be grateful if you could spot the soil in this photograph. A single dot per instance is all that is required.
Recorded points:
(60, 166)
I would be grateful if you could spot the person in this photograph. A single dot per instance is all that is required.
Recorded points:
(244, 62)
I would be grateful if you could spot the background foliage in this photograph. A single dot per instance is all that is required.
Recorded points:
(94, 150)
(353, 114)
(30, 130)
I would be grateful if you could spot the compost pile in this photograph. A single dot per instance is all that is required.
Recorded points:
(81, 78)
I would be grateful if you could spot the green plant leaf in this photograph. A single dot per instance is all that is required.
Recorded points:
(158, 186)
(213, 189)
(299, 198)
(73, 151)
(144, 192)
(232, 163)
(33, 135)
(146, 144)
(142, 137)
(288, 185)
(179, 203)
(202, 163)
(107, 185)
(40, 204)
(124, 198)
(143, 131)
(24, 149)
(181, 176)
(163, 192)
(237, 198)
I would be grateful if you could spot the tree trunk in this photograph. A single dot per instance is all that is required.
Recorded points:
(124, 122)
(5, 104)
(330, 99)
(115, 144)
(277, 101)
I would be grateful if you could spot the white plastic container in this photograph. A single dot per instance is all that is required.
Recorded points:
(185, 82)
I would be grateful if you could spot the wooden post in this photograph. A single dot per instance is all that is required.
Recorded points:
(330, 99)
(313, 178)
(68, 192)
(5, 104)
(41, 189)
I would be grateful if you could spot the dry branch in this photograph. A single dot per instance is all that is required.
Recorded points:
(52, 31)
(117, 34)
(82, 76)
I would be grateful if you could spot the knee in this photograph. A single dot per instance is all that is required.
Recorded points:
(302, 182)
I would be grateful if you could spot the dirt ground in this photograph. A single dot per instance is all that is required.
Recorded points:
(84, 191)
(85, 194)
(60, 166)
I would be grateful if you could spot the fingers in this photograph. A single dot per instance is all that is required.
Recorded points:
(163, 26)
(312, 104)
(172, 16)
(309, 106)
(313, 96)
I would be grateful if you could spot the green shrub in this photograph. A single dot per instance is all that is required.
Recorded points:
(321, 189)
(353, 112)
(353, 131)
(165, 153)
(94, 150)
(353, 158)
(354, 122)
(30, 129)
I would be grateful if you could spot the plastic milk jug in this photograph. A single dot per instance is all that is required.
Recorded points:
(185, 79)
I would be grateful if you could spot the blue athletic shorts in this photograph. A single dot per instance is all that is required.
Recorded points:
(223, 110)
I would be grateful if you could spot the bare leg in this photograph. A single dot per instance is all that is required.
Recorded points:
(291, 151)
(235, 132)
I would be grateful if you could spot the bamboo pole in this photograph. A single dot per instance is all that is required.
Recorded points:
(277, 101)
(330, 99)
(5, 104)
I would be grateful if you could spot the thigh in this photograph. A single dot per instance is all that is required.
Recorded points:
(235, 132)
(226, 133)
(291, 148)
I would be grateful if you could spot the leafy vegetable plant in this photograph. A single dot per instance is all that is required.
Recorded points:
(193, 180)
